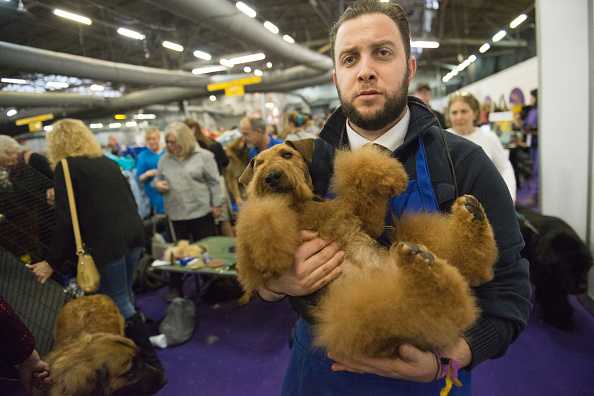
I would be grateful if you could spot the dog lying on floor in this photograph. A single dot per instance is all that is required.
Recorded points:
(374, 306)
(91, 356)
(559, 264)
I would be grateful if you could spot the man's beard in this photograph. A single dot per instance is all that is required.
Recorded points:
(391, 110)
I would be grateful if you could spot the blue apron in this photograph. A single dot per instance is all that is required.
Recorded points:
(309, 371)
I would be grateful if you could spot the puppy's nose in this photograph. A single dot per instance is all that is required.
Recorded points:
(273, 179)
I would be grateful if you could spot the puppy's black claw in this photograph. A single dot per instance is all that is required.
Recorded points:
(472, 206)
(415, 248)
(428, 256)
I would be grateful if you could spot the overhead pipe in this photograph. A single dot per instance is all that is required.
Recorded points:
(225, 17)
(21, 57)
(59, 99)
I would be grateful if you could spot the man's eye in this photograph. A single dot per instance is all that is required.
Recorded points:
(287, 155)
(349, 59)
(384, 52)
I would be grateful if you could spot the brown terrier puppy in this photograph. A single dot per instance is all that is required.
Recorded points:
(384, 297)
(91, 356)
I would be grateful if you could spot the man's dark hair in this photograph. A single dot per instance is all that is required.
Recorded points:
(364, 7)
(257, 123)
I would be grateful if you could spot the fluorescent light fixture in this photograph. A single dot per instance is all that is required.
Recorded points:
(247, 69)
(74, 17)
(115, 125)
(499, 36)
(226, 62)
(131, 123)
(245, 9)
(472, 58)
(445, 79)
(11, 112)
(96, 87)
(212, 98)
(131, 34)
(202, 55)
(209, 69)
(13, 81)
(54, 84)
(269, 64)
(270, 26)
(454, 72)
(97, 125)
(258, 72)
(246, 59)
(424, 44)
(145, 116)
(288, 39)
(517, 21)
(48, 128)
(484, 48)
(173, 46)
(269, 105)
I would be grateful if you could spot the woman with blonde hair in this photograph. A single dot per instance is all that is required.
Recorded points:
(188, 179)
(464, 112)
(109, 223)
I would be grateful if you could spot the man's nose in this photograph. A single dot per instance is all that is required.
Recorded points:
(366, 69)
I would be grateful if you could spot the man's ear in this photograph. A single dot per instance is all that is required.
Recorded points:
(412, 68)
(248, 174)
(305, 147)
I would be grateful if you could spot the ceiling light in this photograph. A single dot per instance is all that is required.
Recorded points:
(209, 69)
(74, 17)
(484, 48)
(288, 39)
(131, 123)
(212, 98)
(115, 125)
(472, 58)
(131, 33)
(48, 128)
(499, 36)
(517, 21)
(226, 62)
(246, 59)
(54, 84)
(445, 79)
(244, 8)
(258, 72)
(270, 26)
(13, 81)
(11, 112)
(98, 125)
(145, 116)
(454, 72)
(424, 44)
(96, 87)
(269, 64)
(202, 55)
(173, 46)
(247, 69)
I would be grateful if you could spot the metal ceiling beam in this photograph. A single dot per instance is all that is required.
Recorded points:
(26, 99)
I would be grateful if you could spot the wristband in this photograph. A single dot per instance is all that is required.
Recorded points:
(446, 368)
(442, 364)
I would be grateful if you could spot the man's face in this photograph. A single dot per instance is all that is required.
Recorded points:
(153, 142)
(250, 136)
(424, 95)
(372, 73)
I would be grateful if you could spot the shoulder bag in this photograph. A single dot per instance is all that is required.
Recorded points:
(87, 275)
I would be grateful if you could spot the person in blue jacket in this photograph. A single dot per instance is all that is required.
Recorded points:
(370, 46)
(146, 167)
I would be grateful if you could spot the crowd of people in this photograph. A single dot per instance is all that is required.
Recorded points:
(183, 179)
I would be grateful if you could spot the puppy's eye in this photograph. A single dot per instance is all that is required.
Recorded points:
(287, 155)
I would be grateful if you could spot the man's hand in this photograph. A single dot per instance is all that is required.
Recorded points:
(217, 211)
(41, 270)
(162, 187)
(34, 372)
(315, 264)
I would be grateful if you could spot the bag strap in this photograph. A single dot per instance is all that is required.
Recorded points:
(79, 247)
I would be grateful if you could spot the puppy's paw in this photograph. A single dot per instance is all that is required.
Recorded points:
(411, 253)
(468, 207)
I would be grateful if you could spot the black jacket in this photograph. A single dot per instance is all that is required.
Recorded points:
(109, 222)
(505, 301)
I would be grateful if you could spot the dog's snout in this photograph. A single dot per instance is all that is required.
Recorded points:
(273, 179)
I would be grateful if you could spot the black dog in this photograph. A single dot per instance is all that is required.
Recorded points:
(559, 264)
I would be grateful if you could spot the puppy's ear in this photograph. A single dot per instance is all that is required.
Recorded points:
(305, 147)
(247, 174)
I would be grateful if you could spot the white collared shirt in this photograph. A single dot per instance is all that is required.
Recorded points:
(391, 139)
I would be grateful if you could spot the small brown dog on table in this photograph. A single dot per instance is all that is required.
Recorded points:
(423, 298)
(91, 356)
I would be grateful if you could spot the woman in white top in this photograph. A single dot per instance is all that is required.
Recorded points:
(464, 112)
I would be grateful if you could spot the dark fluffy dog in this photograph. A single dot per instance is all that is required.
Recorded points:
(91, 356)
(238, 154)
(559, 264)
(408, 294)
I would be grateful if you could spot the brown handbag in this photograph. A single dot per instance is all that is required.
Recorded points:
(87, 275)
